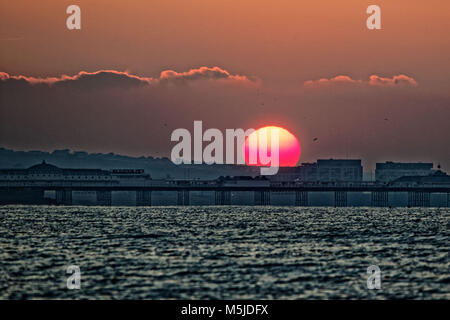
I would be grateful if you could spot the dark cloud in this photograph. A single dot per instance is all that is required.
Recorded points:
(374, 80)
(400, 80)
(203, 73)
(124, 79)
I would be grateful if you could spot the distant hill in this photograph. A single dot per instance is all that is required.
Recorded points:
(156, 167)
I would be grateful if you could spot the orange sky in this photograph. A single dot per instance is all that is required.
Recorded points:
(385, 95)
(281, 41)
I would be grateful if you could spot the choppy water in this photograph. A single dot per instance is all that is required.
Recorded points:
(223, 252)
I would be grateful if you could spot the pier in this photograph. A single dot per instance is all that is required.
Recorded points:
(32, 192)
(30, 186)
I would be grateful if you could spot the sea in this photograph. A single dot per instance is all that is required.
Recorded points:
(227, 252)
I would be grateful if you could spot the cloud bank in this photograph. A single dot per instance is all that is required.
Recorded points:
(111, 78)
(400, 80)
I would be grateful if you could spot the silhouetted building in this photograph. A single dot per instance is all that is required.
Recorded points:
(45, 171)
(436, 178)
(389, 171)
(324, 170)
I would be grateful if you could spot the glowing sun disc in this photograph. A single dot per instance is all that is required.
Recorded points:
(288, 145)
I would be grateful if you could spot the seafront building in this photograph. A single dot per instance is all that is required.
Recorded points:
(324, 170)
(390, 171)
(45, 171)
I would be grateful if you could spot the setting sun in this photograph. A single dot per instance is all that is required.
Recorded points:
(288, 145)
